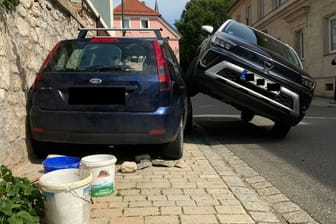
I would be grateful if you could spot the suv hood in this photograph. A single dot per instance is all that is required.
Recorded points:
(256, 56)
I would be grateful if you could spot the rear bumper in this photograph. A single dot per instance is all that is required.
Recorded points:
(113, 128)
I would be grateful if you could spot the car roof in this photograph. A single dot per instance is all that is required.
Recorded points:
(84, 31)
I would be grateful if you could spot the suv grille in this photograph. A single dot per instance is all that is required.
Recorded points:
(259, 86)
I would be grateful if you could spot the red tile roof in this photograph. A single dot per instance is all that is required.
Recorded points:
(135, 7)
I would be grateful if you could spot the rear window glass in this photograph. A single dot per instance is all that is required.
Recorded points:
(256, 37)
(128, 57)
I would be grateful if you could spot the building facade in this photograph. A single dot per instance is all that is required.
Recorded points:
(137, 15)
(309, 26)
(102, 9)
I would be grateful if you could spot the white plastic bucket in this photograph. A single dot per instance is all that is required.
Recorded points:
(67, 196)
(102, 167)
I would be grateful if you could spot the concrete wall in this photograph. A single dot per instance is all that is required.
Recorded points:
(26, 36)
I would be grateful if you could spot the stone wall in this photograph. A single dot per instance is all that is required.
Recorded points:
(27, 34)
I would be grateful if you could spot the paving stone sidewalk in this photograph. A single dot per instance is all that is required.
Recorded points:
(217, 187)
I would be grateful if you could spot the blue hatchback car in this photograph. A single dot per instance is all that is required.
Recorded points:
(111, 91)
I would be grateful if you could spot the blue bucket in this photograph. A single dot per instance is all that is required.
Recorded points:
(62, 162)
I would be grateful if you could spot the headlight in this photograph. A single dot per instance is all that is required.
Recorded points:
(223, 43)
(307, 82)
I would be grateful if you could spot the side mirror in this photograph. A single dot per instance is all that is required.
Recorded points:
(207, 30)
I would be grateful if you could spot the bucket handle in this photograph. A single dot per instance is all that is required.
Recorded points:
(74, 193)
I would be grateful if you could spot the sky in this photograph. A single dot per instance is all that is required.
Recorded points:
(171, 10)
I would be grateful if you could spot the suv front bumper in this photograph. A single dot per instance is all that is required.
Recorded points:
(259, 95)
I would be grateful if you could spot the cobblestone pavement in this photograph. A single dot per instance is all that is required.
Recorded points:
(216, 187)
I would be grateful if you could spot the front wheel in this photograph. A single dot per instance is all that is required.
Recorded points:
(280, 130)
(174, 150)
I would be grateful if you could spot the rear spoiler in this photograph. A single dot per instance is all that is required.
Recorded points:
(83, 31)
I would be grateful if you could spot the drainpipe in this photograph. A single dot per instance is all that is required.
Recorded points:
(335, 91)
(333, 62)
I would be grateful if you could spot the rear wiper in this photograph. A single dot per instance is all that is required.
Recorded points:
(103, 68)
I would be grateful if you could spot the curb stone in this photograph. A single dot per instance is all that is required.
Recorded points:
(264, 202)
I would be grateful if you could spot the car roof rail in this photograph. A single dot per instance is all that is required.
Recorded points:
(83, 31)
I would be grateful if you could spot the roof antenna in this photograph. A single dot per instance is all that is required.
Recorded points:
(123, 18)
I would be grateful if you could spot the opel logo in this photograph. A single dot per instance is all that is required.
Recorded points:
(268, 65)
(96, 81)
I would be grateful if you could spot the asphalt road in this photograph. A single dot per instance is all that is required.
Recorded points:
(302, 166)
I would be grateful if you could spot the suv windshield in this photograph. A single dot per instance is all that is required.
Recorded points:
(115, 56)
(263, 40)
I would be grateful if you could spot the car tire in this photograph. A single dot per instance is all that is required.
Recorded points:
(280, 130)
(174, 150)
(192, 88)
(189, 124)
(246, 116)
(41, 149)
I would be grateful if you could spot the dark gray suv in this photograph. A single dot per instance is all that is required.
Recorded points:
(254, 72)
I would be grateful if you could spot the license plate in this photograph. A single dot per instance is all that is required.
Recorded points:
(96, 96)
(247, 76)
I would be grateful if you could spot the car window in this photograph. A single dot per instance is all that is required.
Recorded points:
(240, 30)
(174, 66)
(138, 57)
(263, 40)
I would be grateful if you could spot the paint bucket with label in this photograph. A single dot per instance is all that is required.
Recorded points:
(102, 167)
(67, 196)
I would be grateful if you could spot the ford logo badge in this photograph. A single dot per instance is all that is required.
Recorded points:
(96, 81)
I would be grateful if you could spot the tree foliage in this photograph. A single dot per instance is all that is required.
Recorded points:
(8, 4)
(196, 14)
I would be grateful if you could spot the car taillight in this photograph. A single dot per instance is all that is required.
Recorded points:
(164, 76)
(45, 63)
(37, 80)
(52, 52)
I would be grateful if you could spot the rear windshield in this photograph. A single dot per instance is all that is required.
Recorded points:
(128, 57)
(261, 39)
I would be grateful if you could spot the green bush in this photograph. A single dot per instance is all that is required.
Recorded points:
(8, 4)
(21, 202)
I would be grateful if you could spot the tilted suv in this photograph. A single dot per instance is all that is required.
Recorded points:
(109, 90)
(254, 72)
